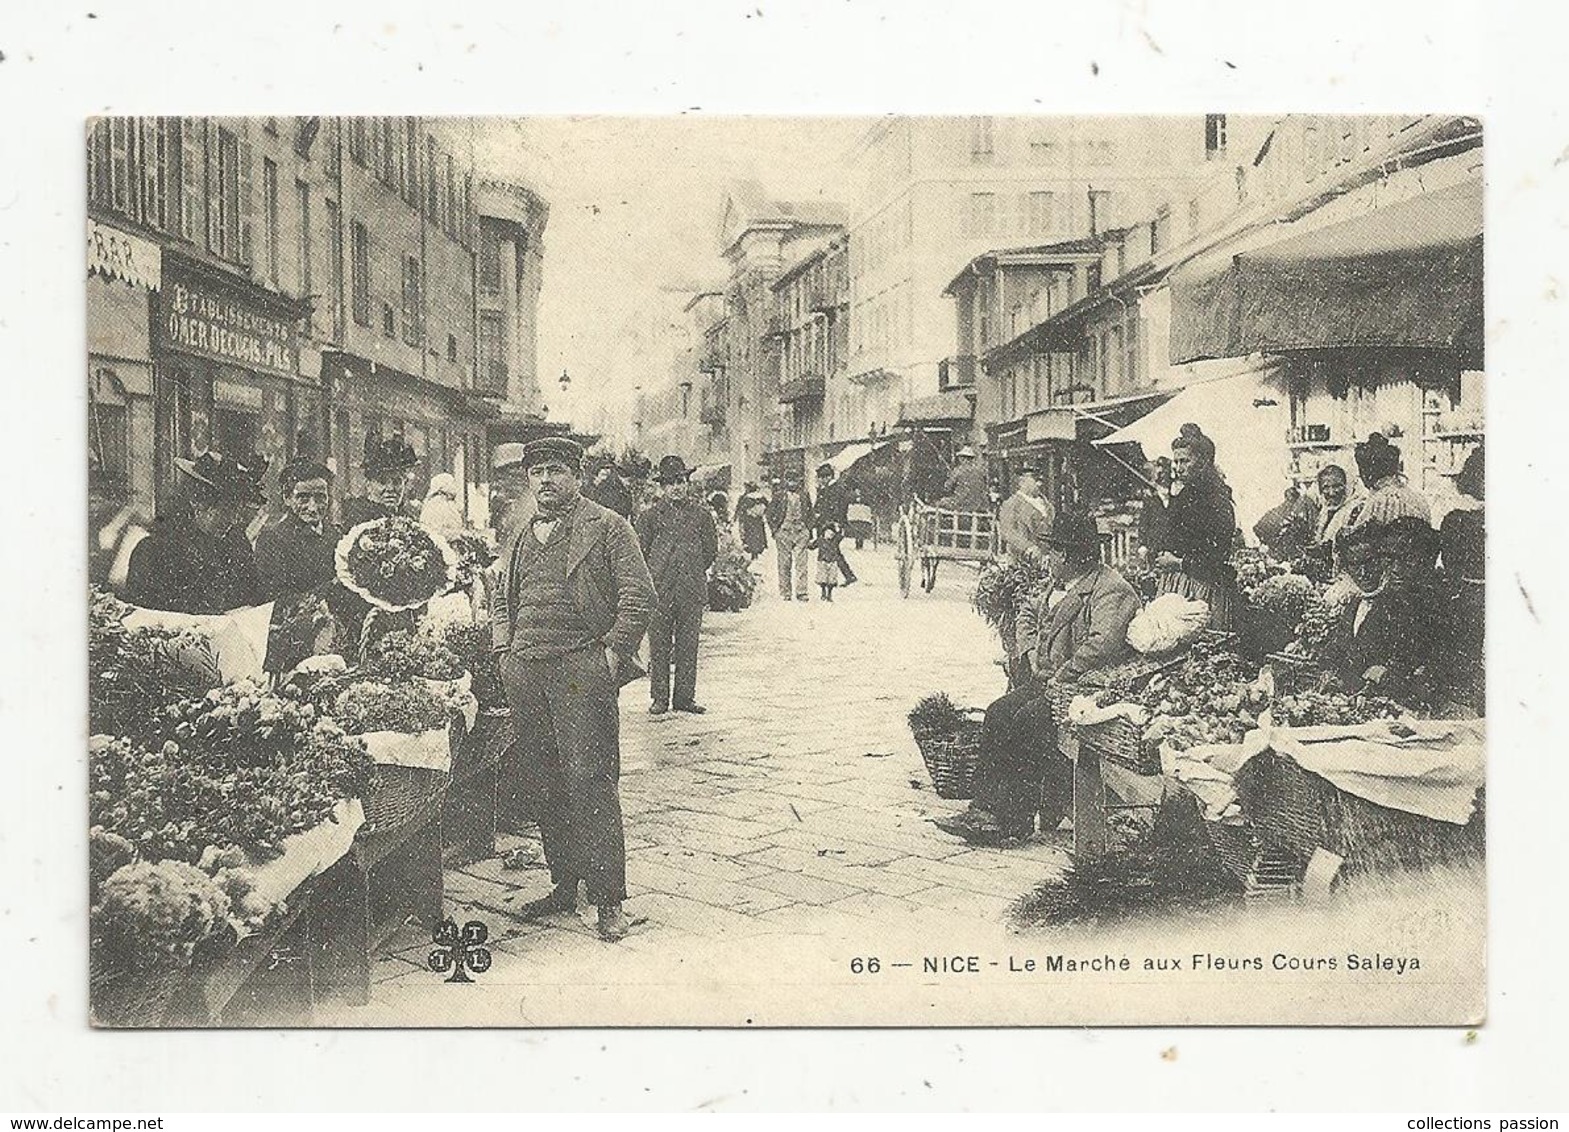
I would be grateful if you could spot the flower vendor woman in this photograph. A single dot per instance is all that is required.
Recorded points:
(388, 464)
(1201, 522)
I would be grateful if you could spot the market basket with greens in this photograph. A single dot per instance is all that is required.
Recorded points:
(949, 738)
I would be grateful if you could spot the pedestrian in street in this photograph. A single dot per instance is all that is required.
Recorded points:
(1201, 523)
(295, 553)
(441, 511)
(751, 513)
(791, 521)
(863, 524)
(680, 542)
(719, 504)
(1025, 518)
(568, 613)
(197, 559)
(1021, 774)
(387, 466)
(832, 506)
(828, 559)
(606, 487)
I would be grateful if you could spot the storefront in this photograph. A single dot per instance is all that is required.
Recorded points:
(123, 274)
(226, 373)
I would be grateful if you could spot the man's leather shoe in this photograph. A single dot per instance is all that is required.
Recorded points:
(657, 709)
(613, 924)
(692, 708)
(562, 899)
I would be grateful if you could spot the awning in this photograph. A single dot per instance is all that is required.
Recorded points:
(711, 475)
(852, 454)
(1408, 275)
(1246, 415)
(119, 255)
(936, 409)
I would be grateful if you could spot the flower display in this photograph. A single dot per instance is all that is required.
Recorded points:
(411, 708)
(402, 655)
(395, 564)
(152, 915)
(731, 582)
(474, 555)
(134, 672)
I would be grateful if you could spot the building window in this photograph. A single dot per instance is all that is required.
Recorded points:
(387, 167)
(982, 141)
(359, 251)
(450, 216)
(492, 369)
(410, 160)
(270, 220)
(335, 271)
(432, 183)
(982, 215)
(1214, 137)
(1044, 151)
(1041, 214)
(413, 302)
(228, 189)
(302, 194)
(389, 321)
(1160, 231)
(1103, 211)
(489, 260)
(452, 347)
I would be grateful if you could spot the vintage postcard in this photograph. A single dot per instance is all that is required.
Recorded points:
(702, 571)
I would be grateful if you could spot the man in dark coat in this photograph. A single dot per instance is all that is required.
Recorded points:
(388, 464)
(832, 508)
(606, 488)
(1020, 772)
(680, 543)
(570, 604)
(199, 560)
(295, 554)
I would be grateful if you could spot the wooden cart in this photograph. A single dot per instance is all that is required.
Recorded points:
(958, 536)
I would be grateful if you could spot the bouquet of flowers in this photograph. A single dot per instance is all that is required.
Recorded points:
(1002, 588)
(471, 643)
(731, 583)
(395, 564)
(411, 708)
(474, 555)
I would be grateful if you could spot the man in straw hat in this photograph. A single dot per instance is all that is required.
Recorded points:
(680, 542)
(198, 560)
(569, 610)
(1020, 772)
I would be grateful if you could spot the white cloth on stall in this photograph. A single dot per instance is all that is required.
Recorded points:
(238, 638)
(429, 750)
(306, 854)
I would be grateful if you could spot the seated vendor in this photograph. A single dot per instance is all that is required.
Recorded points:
(1393, 633)
(1021, 773)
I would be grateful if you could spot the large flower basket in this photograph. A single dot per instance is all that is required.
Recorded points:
(951, 760)
(1121, 741)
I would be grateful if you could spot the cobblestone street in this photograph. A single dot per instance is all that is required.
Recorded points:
(797, 807)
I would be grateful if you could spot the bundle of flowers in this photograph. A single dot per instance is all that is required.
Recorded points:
(401, 655)
(1254, 566)
(132, 673)
(1316, 625)
(1284, 596)
(1002, 588)
(1213, 697)
(411, 708)
(175, 801)
(936, 716)
(152, 916)
(731, 582)
(471, 643)
(395, 564)
(474, 555)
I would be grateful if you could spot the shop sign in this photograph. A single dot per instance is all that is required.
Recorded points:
(198, 317)
(119, 255)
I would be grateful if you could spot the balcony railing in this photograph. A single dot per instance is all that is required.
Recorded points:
(956, 372)
(824, 298)
(807, 387)
(711, 361)
(712, 414)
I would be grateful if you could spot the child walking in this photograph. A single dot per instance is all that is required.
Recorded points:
(828, 539)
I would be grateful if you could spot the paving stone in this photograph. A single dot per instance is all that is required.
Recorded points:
(804, 889)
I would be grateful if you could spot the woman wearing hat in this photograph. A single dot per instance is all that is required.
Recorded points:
(1201, 521)
(387, 466)
(198, 560)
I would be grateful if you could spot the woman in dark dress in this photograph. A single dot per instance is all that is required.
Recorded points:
(1201, 521)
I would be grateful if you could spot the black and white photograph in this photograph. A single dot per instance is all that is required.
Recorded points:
(702, 570)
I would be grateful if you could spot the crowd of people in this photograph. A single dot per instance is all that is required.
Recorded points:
(1411, 599)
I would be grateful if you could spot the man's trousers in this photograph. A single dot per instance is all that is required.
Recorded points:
(567, 739)
(673, 632)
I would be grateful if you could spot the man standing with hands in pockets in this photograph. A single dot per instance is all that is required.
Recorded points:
(570, 607)
(680, 543)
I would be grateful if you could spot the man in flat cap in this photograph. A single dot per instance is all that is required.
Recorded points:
(569, 609)
(680, 542)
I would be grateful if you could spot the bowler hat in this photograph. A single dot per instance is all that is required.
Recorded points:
(231, 480)
(508, 455)
(673, 469)
(556, 449)
(1071, 532)
(389, 456)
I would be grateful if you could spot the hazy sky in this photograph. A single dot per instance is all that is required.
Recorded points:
(634, 212)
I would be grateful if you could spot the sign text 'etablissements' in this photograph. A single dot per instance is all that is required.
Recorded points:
(204, 321)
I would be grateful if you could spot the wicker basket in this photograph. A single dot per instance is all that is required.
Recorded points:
(1237, 846)
(1121, 741)
(952, 760)
(1304, 812)
(402, 795)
